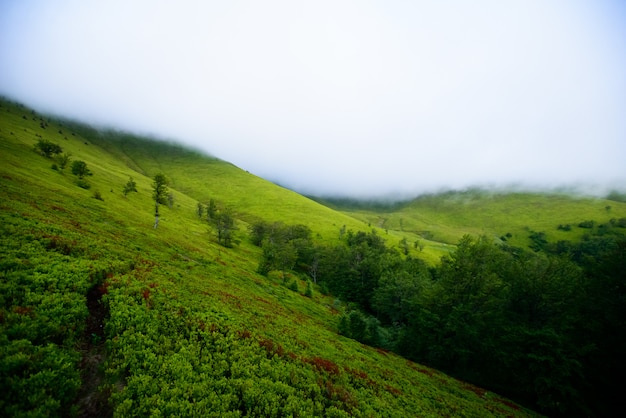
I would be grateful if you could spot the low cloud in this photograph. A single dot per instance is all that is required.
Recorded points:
(348, 98)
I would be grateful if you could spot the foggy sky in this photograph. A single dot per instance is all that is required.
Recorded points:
(353, 98)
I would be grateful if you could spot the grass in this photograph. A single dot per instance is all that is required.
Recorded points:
(189, 327)
(445, 218)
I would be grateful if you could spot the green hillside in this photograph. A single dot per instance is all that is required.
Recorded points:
(507, 216)
(103, 315)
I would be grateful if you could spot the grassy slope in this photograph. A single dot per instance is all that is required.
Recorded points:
(447, 217)
(178, 274)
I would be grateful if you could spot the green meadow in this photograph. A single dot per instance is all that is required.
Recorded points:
(438, 221)
(101, 314)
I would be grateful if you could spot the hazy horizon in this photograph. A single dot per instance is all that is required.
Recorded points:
(348, 98)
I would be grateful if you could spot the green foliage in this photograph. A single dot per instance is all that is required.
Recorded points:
(538, 240)
(616, 196)
(211, 211)
(130, 186)
(159, 194)
(160, 189)
(80, 169)
(63, 160)
(97, 195)
(363, 328)
(404, 246)
(45, 274)
(83, 184)
(224, 222)
(499, 317)
(308, 292)
(284, 246)
(48, 148)
(200, 210)
(186, 328)
(586, 224)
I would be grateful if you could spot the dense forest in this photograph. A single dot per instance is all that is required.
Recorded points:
(545, 326)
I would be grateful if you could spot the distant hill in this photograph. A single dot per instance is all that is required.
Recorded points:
(504, 216)
(101, 314)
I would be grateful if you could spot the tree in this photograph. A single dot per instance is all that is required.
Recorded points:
(258, 231)
(63, 160)
(404, 246)
(395, 293)
(284, 246)
(211, 210)
(200, 210)
(159, 194)
(277, 255)
(130, 186)
(225, 225)
(47, 148)
(80, 169)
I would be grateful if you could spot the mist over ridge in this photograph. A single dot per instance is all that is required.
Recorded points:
(382, 100)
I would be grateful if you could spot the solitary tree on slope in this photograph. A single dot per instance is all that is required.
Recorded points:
(159, 194)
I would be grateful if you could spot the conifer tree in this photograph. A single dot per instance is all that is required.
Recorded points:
(159, 194)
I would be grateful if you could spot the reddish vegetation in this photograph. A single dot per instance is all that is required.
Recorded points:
(260, 299)
(323, 364)
(271, 348)
(60, 244)
(104, 287)
(479, 391)
(229, 298)
(338, 393)
(360, 375)
(245, 334)
(393, 390)
(427, 372)
(382, 351)
(23, 310)
(507, 403)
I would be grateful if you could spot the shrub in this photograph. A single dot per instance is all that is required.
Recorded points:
(63, 160)
(79, 168)
(587, 224)
(324, 289)
(309, 289)
(47, 148)
(83, 184)
(538, 239)
(130, 186)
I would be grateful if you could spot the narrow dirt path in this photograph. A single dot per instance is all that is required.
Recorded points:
(92, 402)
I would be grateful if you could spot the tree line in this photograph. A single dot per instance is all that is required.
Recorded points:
(545, 326)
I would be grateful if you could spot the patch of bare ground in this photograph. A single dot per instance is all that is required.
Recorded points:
(92, 401)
